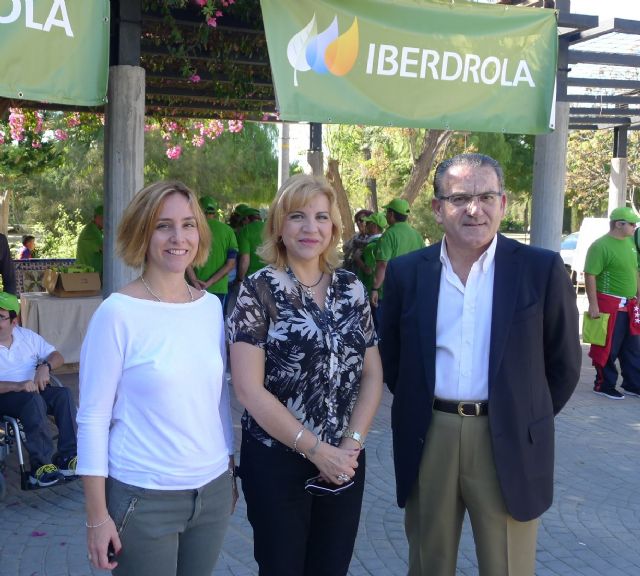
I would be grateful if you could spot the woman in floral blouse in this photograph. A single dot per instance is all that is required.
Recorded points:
(305, 365)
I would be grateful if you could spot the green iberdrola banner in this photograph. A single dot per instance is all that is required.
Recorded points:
(54, 50)
(428, 64)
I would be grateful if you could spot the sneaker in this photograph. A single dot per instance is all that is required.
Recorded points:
(632, 391)
(67, 467)
(47, 475)
(612, 394)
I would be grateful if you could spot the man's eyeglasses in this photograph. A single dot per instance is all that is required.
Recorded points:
(2, 318)
(486, 199)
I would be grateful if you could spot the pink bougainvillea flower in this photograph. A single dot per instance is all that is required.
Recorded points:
(16, 124)
(73, 120)
(60, 134)
(39, 121)
(174, 152)
(218, 13)
(197, 141)
(235, 125)
(201, 2)
(194, 78)
(36, 144)
(212, 22)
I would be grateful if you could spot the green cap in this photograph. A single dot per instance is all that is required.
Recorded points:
(399, 205)
(208, 204)
(9, 302)
(379, 219)
(240, 208)
(247, 211)
(624, 213)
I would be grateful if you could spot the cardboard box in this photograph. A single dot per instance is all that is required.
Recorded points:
(72, 285)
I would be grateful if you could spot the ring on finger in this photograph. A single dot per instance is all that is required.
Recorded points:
(343, 477)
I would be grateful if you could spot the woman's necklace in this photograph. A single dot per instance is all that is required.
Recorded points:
(309, 289)
(144, 283)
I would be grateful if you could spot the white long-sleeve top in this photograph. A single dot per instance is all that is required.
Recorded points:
(154, 401)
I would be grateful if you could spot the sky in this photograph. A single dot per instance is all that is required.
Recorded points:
(629, 9)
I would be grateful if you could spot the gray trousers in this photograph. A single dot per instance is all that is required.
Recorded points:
(169, 532)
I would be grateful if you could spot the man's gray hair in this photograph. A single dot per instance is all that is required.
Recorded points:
(471, 160)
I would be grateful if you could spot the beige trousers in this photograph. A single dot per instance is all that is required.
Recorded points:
(457, 473)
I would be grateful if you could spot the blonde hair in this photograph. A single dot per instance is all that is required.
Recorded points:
(296, 192)
(140, 216)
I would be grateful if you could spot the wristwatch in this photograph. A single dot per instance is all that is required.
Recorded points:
(43, 363)
(354, 436)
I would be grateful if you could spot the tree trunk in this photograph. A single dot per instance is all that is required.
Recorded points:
(4, 211)
(432, 142)
(334, 178)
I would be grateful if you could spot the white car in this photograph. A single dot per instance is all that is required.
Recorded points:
(568, 249)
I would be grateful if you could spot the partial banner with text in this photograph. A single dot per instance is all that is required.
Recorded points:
(55, 51)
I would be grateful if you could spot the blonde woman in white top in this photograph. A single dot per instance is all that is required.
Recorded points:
(155, 439)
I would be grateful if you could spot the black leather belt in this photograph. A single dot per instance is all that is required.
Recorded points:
(462, 408)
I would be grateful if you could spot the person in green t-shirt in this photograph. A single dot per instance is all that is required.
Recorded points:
(611, 280)
(400, 238)
(249, 238)
(89, 247)
(213, 275)
(375, 224)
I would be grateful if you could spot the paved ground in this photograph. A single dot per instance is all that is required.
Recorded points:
(593, 528)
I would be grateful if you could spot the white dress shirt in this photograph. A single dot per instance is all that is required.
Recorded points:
(463, 329)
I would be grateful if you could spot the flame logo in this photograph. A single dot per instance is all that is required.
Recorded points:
(324, 53)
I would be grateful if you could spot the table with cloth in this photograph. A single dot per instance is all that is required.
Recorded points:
(62, 322)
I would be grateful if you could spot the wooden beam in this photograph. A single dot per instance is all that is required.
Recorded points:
(600, 99)
(604, 83)
(612, 59)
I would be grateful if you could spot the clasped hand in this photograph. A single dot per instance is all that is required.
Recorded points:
(333, 462)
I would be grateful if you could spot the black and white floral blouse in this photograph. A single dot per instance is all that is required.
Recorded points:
(313, 357)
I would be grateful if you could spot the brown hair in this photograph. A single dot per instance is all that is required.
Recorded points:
(297, 191)
(139, 218)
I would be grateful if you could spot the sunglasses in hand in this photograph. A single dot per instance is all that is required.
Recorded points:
(319, 487)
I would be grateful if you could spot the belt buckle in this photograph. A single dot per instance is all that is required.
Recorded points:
(461, 406)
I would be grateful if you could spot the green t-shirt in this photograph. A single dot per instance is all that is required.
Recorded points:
(614, 263)
(397, 240)
(89, 248)
(249, 238)
(369, 259)
(224, 246)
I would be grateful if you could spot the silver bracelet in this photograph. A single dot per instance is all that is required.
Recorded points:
(315, 447)
(99, 523)
(295, 442)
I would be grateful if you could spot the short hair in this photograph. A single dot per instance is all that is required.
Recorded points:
(27, 238)
(471, 160)
(139, 218)
(399, 217)
(297, 191)
(362, 212)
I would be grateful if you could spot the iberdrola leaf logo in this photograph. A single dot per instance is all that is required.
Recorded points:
(324, 53)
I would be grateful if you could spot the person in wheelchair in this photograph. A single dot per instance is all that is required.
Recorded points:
(26, 360)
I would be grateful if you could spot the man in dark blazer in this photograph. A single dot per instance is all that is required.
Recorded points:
(480, 348)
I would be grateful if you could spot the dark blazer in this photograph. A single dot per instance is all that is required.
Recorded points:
(534, 365)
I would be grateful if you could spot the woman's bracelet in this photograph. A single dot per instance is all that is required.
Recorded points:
(295, 442)
(99, 523)
(315, 447)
